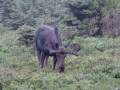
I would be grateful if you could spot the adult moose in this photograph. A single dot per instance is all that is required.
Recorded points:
(48, 43)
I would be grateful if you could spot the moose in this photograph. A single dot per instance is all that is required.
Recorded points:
(48, 43)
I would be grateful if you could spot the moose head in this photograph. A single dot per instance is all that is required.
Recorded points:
(60, 52)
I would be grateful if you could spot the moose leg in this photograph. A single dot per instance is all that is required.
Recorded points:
(46, 60)
(42, 59)
(54, 62)
(39, 58)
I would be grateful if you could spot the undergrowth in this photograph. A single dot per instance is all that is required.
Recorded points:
(96, 68)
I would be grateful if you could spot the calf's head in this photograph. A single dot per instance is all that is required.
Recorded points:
(60, 52)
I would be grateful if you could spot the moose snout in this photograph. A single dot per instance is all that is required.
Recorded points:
(61, 69)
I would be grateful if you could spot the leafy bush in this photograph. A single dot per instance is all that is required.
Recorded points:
(26, 35)
(3, 29)
(90, 44)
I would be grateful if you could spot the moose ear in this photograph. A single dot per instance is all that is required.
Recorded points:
(50, 45)
(66, 45)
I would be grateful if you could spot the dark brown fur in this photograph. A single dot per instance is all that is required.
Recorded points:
(48, 43)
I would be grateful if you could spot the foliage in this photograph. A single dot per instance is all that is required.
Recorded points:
(26, 35)
(96, 68)
(29, 12)
(87, 15)
(101, 44)
(111, 23)
(6, 9)
(3, 29)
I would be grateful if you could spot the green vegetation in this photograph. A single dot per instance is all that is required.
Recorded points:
(94, 24)
(97, 67)
(88, 17)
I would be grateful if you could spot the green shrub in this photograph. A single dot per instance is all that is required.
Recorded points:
(90, 44)
(26, 35)
(3, 29)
